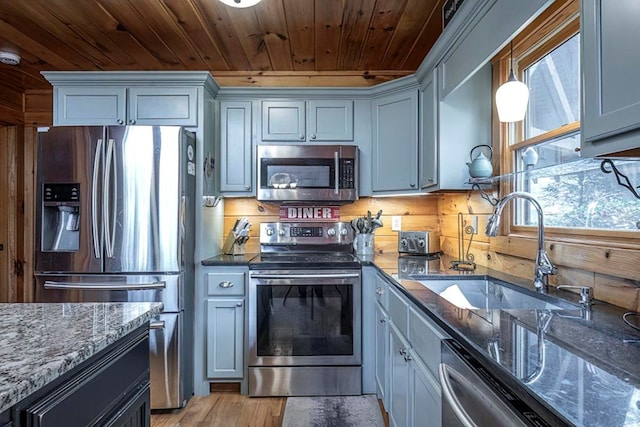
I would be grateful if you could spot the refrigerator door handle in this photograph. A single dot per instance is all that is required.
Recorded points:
(50, 284)
(94, 199)
(109, 214)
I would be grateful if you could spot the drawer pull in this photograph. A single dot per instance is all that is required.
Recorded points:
(226, 284)
(379, 291)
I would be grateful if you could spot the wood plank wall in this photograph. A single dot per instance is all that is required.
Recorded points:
(610, 271)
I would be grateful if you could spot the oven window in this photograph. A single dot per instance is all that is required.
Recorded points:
(305, 320)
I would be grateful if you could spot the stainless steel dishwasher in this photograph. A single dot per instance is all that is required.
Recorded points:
(472, 396)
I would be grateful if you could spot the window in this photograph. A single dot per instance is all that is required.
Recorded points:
(544, 149)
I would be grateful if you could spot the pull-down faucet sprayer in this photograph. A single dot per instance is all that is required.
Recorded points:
(543, 265)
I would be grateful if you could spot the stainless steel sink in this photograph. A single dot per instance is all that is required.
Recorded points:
(484, 294)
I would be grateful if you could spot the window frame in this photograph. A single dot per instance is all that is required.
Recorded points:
(557, 24)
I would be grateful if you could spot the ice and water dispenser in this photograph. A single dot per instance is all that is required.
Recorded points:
(60, 217)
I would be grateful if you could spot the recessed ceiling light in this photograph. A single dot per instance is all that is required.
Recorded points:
(9, 58)
(241, 3)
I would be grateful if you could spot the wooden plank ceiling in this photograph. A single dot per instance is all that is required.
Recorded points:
(276, 43)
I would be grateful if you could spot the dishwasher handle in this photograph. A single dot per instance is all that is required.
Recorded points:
(447, 376)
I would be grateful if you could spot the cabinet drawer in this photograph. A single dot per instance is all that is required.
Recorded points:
(225, 283)
(425, 338)
(382, 292)
(398, 310)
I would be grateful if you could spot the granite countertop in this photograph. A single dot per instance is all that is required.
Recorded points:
(229, 260)
(588, 375)
(41, 342)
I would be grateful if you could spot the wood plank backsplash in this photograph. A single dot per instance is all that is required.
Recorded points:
(512, 254)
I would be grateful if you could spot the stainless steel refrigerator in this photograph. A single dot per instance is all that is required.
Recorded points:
(115, 222)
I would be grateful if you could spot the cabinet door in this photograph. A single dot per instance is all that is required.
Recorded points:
(429, 133)
(425, 402)
(611, 84)
(398, 379)
(330, 120)
(163, 106)
(283, 121)
(89, 106)
(395, 142)
(235, 146)
(382, 354)
(225, 332)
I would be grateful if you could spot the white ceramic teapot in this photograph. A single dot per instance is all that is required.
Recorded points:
(480, 166)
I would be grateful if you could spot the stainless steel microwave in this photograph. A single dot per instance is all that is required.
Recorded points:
(308, 173)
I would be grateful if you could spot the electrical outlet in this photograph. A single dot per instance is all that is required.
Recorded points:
(396, 223)
(474, 223)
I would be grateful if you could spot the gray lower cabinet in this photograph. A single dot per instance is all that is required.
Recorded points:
(109, 389)
(236, 136)
(225, 320)
(394, 120)
(407, 365)
(610, 120)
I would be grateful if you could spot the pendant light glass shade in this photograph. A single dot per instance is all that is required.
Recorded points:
(241, 3)
(512, 97)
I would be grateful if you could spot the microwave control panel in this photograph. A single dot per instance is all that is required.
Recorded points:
(347, 173)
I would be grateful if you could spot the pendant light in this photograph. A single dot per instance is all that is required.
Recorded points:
(241, 3)
(512, 97)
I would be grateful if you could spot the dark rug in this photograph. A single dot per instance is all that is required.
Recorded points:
(333, 411)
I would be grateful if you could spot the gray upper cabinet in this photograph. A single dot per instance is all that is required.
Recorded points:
(394, 120)
(120, 105)
(325, 120)
(429, 133)
(236, 163)
(611, 85)
(330, 120)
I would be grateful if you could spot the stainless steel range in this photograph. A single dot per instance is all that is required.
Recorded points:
(305, 312)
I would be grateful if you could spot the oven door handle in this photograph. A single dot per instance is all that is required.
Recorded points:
(305, 276)
(49, 284)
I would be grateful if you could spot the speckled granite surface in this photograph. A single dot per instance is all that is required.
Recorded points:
(40, 342)
(587, 375)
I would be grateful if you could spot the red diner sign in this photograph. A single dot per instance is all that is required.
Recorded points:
(309, 213)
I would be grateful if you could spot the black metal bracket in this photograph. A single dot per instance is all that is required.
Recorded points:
(492, 200)
(622, 179)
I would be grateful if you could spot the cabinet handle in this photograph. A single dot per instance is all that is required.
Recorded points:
(225, 284)
(379, 291)
(132, 122)
(313, 136)
(301, 136)
(238, 304)
(402, 351)
(120, 121)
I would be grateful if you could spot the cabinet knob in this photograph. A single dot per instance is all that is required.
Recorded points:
(407, 357)
(313, 136)
(430, 179)
(247, 187)
(412, 185)
(120, 121)
(132, 122)
(379, 291)
(225, 284)
(301, 136)
(238, 304)
(402, 351)
(382, 320)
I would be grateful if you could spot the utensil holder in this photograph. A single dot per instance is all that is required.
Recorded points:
(363, 244)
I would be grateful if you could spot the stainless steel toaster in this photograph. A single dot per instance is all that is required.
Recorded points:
(418, 242)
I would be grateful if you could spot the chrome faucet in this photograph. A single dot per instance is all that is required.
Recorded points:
(543, 265)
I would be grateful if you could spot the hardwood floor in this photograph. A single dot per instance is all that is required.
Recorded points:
(228, 409)
(225, 409)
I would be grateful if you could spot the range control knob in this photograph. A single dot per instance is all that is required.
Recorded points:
(344, 232)
(331, 232)
(282, 232)
(421, 243)
(269, 231)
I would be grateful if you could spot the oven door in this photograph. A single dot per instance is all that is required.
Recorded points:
(304, 318)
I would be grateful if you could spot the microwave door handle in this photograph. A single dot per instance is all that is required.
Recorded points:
(336, 161)
(94, 199)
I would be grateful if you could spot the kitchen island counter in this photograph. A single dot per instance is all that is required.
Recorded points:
(42, 342)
